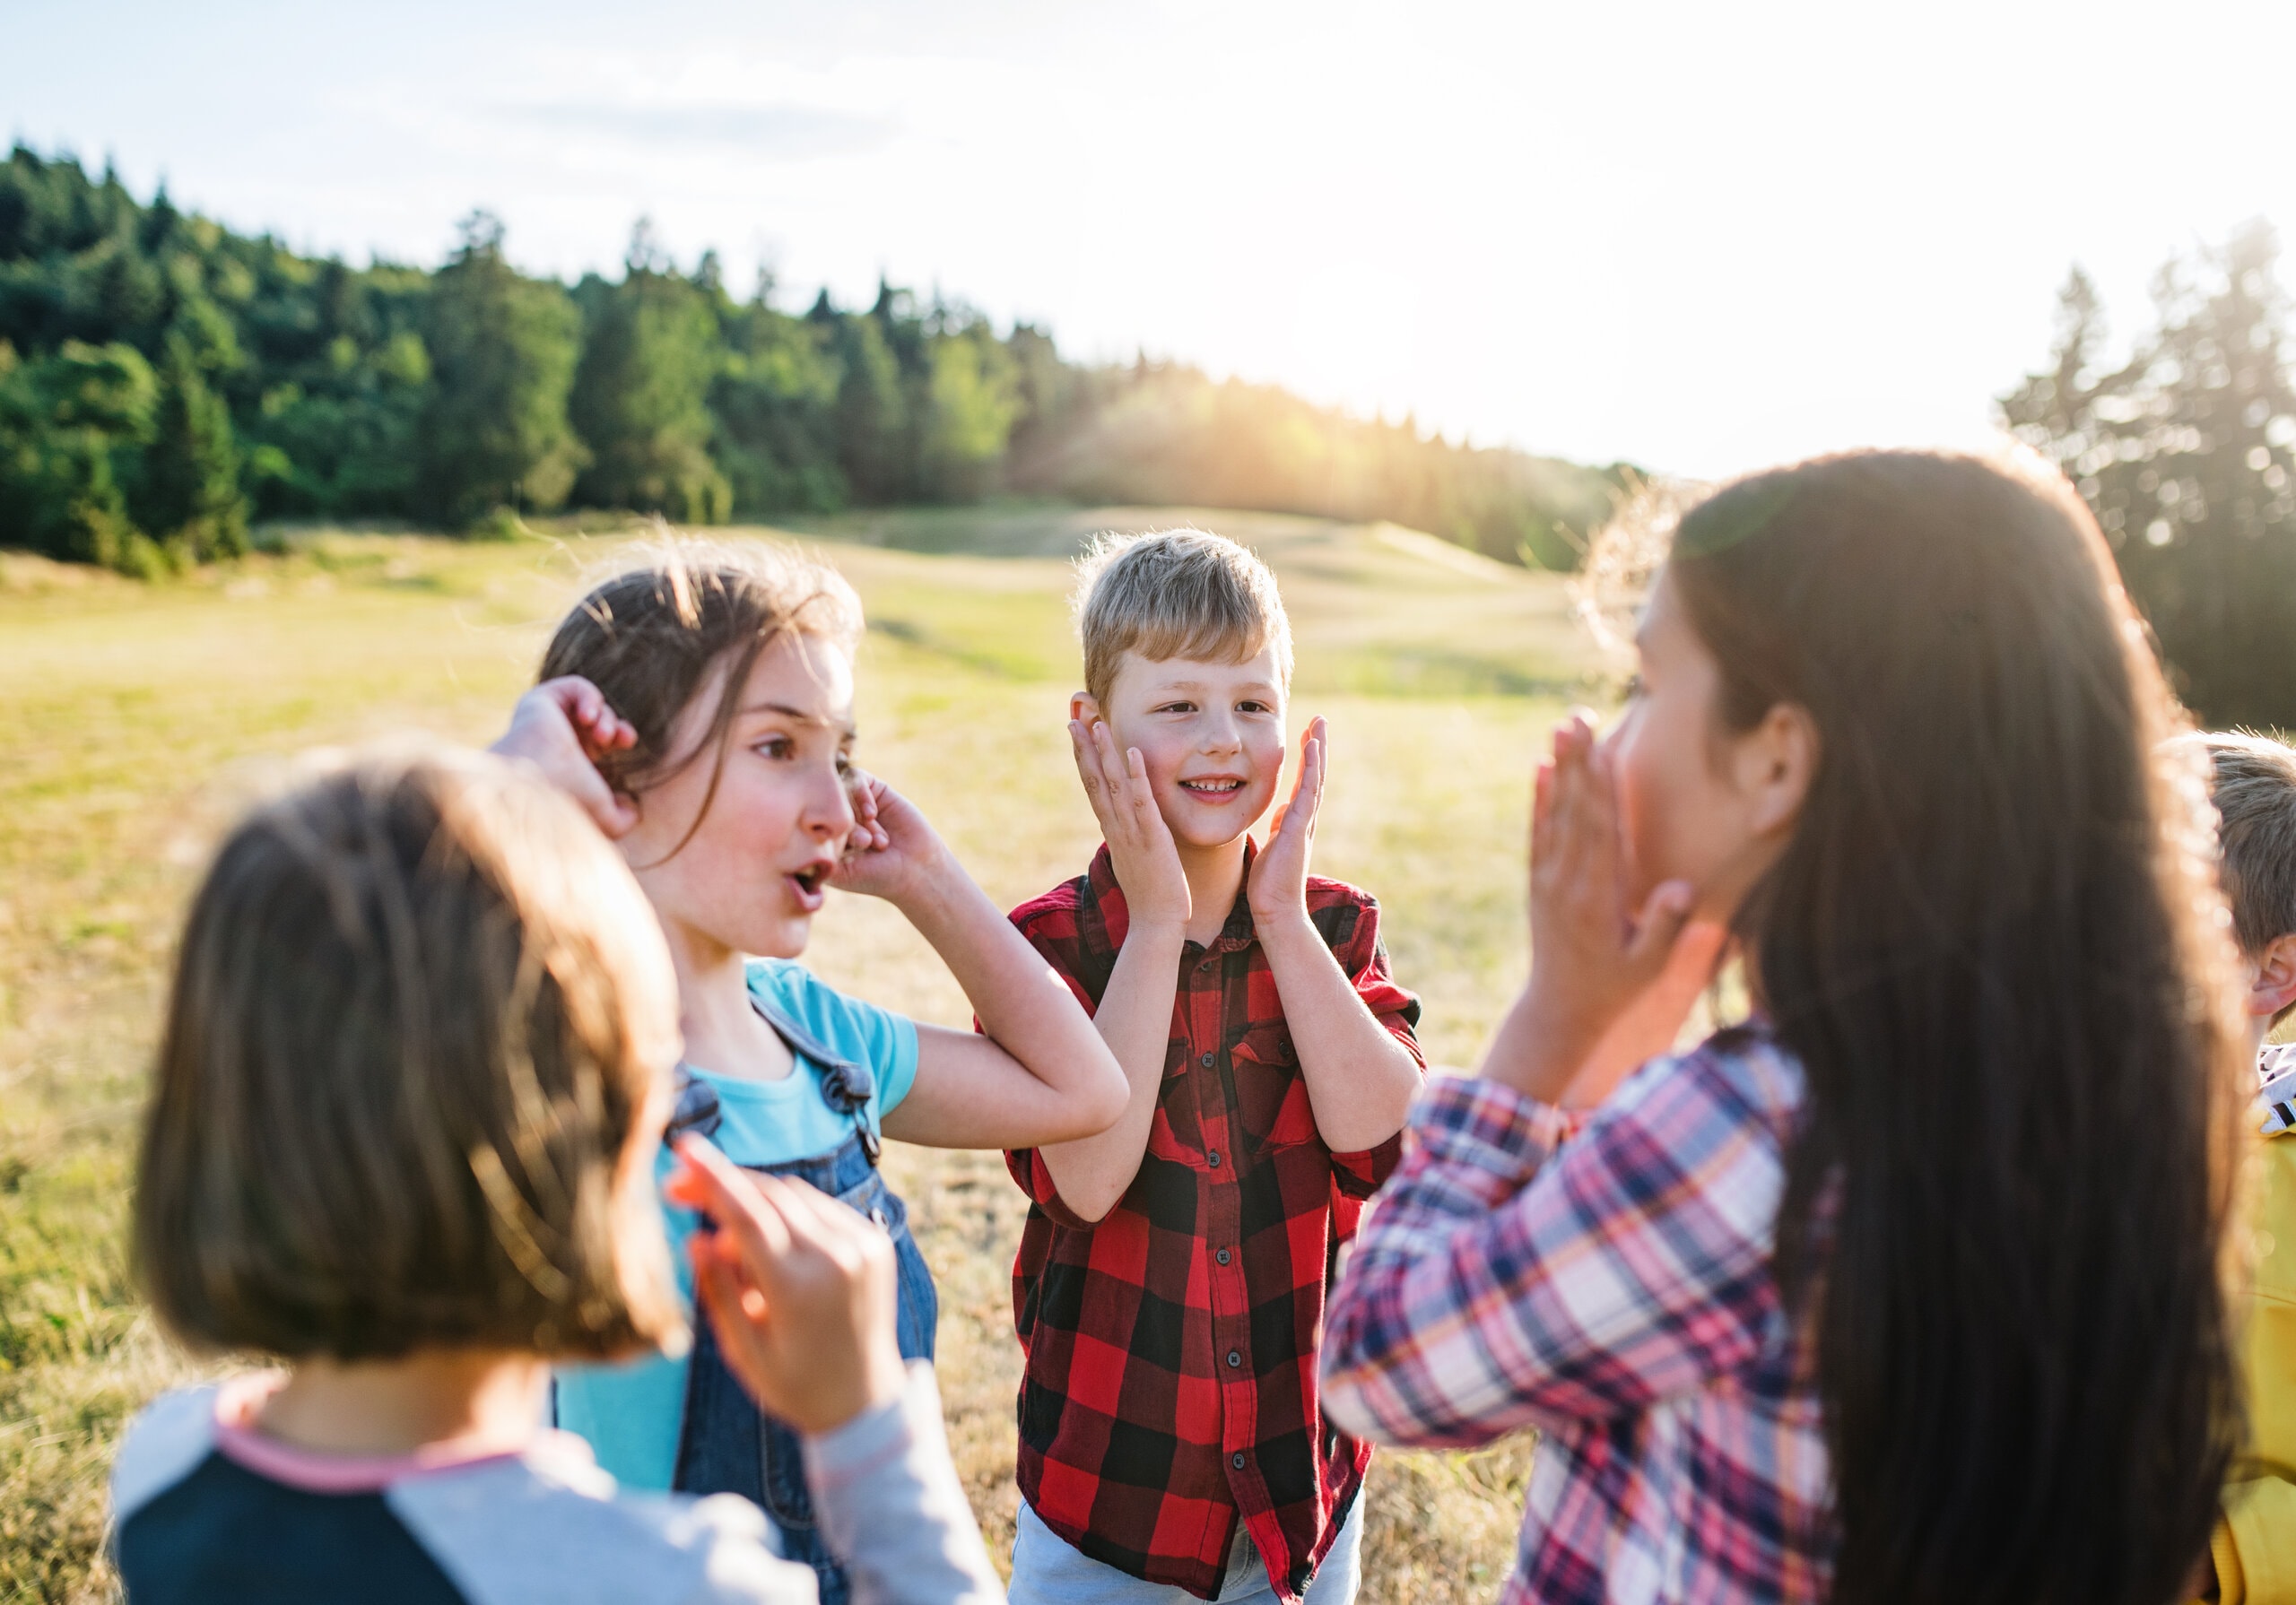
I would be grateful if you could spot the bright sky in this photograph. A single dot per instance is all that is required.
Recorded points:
(1702, 236)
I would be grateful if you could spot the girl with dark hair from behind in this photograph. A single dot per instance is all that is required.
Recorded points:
(1908, 1289)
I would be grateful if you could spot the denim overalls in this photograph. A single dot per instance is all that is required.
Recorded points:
(727, 1445)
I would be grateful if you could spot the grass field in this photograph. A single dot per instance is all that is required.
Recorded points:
(141, 718)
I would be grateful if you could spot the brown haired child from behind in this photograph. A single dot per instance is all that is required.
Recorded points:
(412, 1079)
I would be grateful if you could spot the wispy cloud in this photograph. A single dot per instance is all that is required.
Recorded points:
(786, 131)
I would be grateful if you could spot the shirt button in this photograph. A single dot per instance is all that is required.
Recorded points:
(1235, 1358)
(1208, 1061)
(1236, 1461)
(1212, 1159)
(1221, 1256)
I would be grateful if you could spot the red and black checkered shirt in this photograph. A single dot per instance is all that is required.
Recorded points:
(1170, 1384)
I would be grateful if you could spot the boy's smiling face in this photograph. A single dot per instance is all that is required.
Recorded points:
(1211, 735)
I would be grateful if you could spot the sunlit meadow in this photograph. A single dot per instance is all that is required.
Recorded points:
(141, 717)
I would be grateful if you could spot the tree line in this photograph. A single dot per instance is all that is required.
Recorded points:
(2185, 449)
(165, 381)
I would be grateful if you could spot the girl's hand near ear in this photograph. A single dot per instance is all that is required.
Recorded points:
(1592, 1007)
(893, 852)
(562, 727)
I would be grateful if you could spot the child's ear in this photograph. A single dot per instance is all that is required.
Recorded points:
(2274, 986)
(1085, 709)
(1777, 760)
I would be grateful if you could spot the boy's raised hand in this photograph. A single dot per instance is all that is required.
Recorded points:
(1140, 843)
(562, 727)
(1279, 878)
(799, 1288)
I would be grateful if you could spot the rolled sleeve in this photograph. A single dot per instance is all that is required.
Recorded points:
(1027, 1167)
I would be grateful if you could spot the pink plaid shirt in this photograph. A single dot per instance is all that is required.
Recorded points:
(1612, 1286)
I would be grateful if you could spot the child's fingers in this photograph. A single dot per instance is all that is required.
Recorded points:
(1307, 790)
(1080, 745)
(741, 1317)
(815, 1222)
(1145, 817)
(717, 1276)
(1542, 811)
(866, 791)
(1089, 742)
(1115, 768)
(611, 812)
(1665, 913)
(1584, 812)
(736, 1200)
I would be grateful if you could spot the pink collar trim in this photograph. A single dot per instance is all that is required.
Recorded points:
(238, 1404)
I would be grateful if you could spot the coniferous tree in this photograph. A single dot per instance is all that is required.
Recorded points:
(2187, 452)
(773, 404)
(971, 400)
(872, 411)
(502, 350)
(642, 393)
(190, 499)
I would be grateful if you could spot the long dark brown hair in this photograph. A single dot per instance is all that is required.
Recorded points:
(1996, 945)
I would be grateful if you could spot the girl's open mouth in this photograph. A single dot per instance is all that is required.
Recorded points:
(805, 885)
(1213, 789)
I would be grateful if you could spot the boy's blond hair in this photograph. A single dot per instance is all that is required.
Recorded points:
(420, 1011)
(1177, 593)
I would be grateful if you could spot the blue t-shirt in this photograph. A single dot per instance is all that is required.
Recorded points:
(632, 1413)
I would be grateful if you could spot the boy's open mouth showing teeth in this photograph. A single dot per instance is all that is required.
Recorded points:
(1217, 788)
(808, 884)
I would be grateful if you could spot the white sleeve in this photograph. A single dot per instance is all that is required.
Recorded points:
(892, 1509)
(163, 1446)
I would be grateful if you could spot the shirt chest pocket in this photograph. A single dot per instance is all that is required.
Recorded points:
(1272, 1107)
(1269, 1111)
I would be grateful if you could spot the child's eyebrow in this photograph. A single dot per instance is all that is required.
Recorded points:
(1250, 687)
(844, 727)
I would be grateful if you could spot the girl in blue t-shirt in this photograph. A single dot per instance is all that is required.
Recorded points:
(699, 705)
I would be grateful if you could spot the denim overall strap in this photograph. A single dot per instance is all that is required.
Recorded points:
(726, 1442)
(847, 1086)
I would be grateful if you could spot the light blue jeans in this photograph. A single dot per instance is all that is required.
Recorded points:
(1047, 1570)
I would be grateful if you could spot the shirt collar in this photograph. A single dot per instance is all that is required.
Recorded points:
(1115, 918)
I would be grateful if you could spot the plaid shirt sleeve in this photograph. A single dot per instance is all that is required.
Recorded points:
(1364, 955)
(1510, 1276)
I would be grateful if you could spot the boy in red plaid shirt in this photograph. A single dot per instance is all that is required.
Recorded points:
(1170, 1289)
